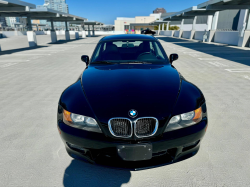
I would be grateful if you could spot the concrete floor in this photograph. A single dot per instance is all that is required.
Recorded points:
(32, 153)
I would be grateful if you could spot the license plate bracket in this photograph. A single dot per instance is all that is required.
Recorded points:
(135, 152)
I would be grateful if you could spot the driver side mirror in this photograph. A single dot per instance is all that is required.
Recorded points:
(173, 57)
(85, 58)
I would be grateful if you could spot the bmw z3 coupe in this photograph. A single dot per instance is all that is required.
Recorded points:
(131, 105)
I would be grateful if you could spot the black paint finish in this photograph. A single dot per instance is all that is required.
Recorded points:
(107, 91)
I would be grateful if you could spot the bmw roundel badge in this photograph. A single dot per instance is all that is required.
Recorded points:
(132, 113)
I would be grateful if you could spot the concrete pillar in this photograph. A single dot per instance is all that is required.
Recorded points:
(32, 38)
(181, 29)
(159, 29)
(162, 27)
(67, 35)
(167, 26)
(83, 34)
(193, 28)
(53, 33)
(93, 30)
(214, 24)
(244, 28)
(209, 22)
(76, 35)
(89, 35)
(29, 24)
(215, 20)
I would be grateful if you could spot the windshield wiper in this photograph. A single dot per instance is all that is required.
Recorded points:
(137, 62)
(102, 62)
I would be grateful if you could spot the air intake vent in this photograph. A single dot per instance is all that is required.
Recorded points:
(145, 127)
(120, 127)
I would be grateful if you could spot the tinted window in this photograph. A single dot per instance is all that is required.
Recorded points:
(128, 51)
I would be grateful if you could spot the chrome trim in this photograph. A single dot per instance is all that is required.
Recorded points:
(112, 132)
(155, 130)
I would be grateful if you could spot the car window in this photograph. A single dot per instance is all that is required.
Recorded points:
(123, 51)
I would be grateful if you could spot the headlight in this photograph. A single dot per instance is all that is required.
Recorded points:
(80, 121)
(184, 120)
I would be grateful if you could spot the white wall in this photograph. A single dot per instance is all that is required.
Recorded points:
(8, 34)
(199, 35)
(186, 34)
(176, 33)
(166, 33)
(227, 37)
(109, 32)
(189, 27)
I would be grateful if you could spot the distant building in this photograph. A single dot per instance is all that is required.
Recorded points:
(59, 5)
(10, 21)
(3, 22)
(159, 10)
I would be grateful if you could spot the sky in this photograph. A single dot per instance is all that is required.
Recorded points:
(106, 11)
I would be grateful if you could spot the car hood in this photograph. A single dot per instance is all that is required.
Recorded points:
(113, 90)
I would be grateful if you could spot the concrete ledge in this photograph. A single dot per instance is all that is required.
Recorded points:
(32, 38)
(53, 36)
(67, 36)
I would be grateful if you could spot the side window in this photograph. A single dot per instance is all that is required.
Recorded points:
(96, 53)
(158, 51)
(152, 47)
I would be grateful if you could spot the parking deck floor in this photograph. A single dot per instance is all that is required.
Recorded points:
(32, 153)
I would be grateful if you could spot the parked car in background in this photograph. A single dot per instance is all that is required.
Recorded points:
(148, 31)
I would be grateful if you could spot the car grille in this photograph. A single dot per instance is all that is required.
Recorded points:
(143, 127)
(120, 127)
(146, 127)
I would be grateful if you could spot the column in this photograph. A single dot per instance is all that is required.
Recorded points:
(159, 28)
(29, 24)
(52, 32)
(244, 28)
(89, 35)
(162, 27)
(167, 26)
(215, 20)
(193, 28)
(67, 36)
(83, 32)
(30, 34)
(181, 29)
(213, 26)
(93, 30)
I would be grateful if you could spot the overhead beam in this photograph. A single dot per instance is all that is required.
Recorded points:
(12, 9)
(227, 7)
(200, 13)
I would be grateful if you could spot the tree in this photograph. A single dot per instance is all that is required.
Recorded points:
(165, 27)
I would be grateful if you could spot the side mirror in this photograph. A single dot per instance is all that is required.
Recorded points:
(173, 57)
(85, 58)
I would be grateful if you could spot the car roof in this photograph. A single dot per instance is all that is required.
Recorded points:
(128, 37)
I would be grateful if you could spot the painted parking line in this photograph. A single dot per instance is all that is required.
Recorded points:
(217, 64)
(194, 55)
(7, 65)
(30, 54)
(210, 59)
(11, 61)
(238, 70)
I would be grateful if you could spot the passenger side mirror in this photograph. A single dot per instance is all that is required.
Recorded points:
(173, 57)
(85, 58)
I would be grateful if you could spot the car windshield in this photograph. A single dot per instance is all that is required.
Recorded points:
(127, 51)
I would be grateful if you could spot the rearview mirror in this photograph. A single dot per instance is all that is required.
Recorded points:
(85, 58)
(173, 57)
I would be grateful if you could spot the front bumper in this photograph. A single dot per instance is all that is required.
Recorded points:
(171, 146)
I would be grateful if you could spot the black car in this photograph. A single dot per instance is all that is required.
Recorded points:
(148, 31)
(130, 105)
